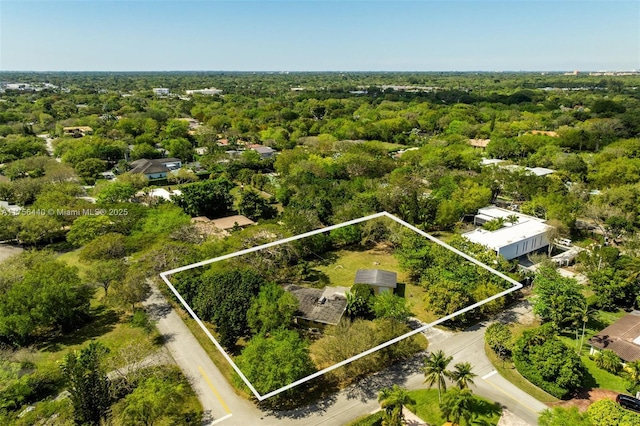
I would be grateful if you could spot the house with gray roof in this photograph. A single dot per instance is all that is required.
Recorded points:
(381, 281)
(318, 308)
(156, 168)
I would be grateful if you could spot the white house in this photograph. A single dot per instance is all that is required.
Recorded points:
(209, 91)
(516, 239)
(160, 91)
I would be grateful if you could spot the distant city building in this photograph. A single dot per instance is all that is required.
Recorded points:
(160, 91)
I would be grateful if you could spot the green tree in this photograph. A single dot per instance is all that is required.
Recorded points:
(272, 362)
(180, 148)
(209, 198)
(86, 228)
(546, 362)
(105, 273)
(150, 401)
(498, 336)
(609, 361)
(115, 192)
(39, 294)
(91, 168)
(555, 297)
(462, 375)
(389, 305)
(435, 371)
(106, 247)
(272, 309)
(133, 289)
(392, 400)
(559, 416)
(88, 384)
(224, 298)
(359, 300)
(254, 206)
(457, 404)
(144, 150)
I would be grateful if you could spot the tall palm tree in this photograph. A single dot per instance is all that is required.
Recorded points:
(462, 375)
(457, 404)
(435, 371)
(391, 401)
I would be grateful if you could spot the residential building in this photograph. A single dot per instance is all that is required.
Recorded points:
(77, 131)
(209, 91)
(156, 168)
(381, 281)
(622, 337)
(160, 91)
(11, 209)
(230, 222)
(318, 308)
(521, 234)
(263, 151)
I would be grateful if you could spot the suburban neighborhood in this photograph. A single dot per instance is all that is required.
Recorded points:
(387, 248)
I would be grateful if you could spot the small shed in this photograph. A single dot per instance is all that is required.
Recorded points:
(381, 281)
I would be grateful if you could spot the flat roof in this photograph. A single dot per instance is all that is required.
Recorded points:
(230, 221)
(526, 227)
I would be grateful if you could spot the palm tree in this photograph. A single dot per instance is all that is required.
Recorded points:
(391, 401)
(462, 375)
(435, 371)
(457, 404)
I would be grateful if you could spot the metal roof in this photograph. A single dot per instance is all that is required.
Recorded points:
(376, 277)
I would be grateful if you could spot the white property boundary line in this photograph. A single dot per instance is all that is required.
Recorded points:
(164, 275)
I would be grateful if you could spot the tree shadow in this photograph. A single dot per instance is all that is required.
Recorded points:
(314, 397)
(317, 279)
(104, 320)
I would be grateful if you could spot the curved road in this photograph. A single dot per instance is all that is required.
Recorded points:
(223, 406)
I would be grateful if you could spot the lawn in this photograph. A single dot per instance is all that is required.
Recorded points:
(341, 267)
(427, 408)
(509, 372)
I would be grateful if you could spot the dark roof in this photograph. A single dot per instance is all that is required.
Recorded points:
(146, 166)
(376, 277)
(619, 337)
(311, 308)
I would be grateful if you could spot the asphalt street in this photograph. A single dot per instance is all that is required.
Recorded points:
(223, 406)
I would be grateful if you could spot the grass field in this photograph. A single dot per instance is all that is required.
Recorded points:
(340, 270)
(427, 408)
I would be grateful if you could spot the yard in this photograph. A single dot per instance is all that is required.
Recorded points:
(340, 270)
(428, 409)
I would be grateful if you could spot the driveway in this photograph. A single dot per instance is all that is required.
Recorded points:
(223, 406)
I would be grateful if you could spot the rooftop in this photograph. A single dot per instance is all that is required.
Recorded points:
(376, 277)
(323, 306)
(526, 226)
(620, 337)
(230, 222)
(146, 166)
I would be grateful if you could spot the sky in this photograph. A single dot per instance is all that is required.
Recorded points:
(319, 35)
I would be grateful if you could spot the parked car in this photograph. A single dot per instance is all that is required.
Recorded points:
(628, 402)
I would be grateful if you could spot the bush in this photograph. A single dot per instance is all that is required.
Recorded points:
(547, 363)
(608, 413)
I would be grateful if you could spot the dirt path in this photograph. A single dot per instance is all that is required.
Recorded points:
(584, 399)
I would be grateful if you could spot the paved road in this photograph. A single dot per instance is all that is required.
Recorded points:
(223, 406)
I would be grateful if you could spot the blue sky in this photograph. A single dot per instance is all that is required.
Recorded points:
(320, 35)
